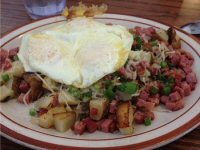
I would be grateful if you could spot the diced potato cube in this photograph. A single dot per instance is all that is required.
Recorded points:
(57, 110)
(46, 120)
(65, 97)
(64, 121)
(162, 34)
(125, 114)
(5, 92)
(100, 105)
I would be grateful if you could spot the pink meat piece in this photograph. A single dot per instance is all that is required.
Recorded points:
(79, 127)
(105, 126)
(113, 106)
(7, 64)
(174, 106)
(154, 70)
(3, 55)
(99, 124)
(184, 62)
(187, 69)
(191, 77)
(179, 90)
(139, 117)
(164, 99)
(144, 95)
(154, 100)
(175, 58)
(175, 96)
(192, 86)
(186, 88)
(145, 105)
(24, 86)
(13, 52)
(90, 125)
(122, 71)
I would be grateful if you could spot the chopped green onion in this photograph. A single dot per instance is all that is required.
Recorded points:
(162, 77)
(170, 65)
(109, 93)
(163, 64)
(128, 87)
(5, 77)
(16, 58)
(139, 43)
(87, 96)
(32, 112)
(75, 92)
(166, 90)
(154, 90)
(147, 121)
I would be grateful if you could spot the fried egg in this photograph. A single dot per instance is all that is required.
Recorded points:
(78, 52)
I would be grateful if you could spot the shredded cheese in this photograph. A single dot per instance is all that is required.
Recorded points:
(49, 87)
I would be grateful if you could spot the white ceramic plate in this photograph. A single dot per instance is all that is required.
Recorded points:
(16, 125)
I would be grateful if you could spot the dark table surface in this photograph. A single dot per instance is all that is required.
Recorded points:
(175, 12)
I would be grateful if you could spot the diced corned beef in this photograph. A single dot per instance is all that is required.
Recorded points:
(94, 111)
(186, 88)
(187, 69)
(184, 62)
(175, 58)
(122, 71)
(174, 106)
(149, 31)
(113, 106)
(24, 86)
(154, 100)
(13, 52)
(149, 114)
(90, 125)
(105, 126)
(179, 74)
(79, 127)
(179, 90)
(21, 97)
(7, 64)
(112, 116)
(139, 30)
(192, 86)
(42, 111)
(139, 117)
(3, 55)
(154, 70)
(164, 99)
(144, 95)
(113, 127)
(145, 105)
(99, 124)
(191, 78)
(175, 96)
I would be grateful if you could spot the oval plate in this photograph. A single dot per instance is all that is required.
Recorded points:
(168, 126)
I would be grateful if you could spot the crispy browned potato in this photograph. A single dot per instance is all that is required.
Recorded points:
(64, 121)
(125, 114)
(46, 120)
(57, 110)
(100, 106)
(174, 39)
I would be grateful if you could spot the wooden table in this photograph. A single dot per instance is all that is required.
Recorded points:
(175, 12)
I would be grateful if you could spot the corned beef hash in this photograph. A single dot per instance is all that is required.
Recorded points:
(87, 76)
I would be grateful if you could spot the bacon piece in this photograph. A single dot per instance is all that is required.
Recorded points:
(145, 105)
(90, 125)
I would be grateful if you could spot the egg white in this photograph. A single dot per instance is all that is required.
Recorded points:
(78, 52)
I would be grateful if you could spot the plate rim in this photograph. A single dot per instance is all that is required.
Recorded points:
(192, 123)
